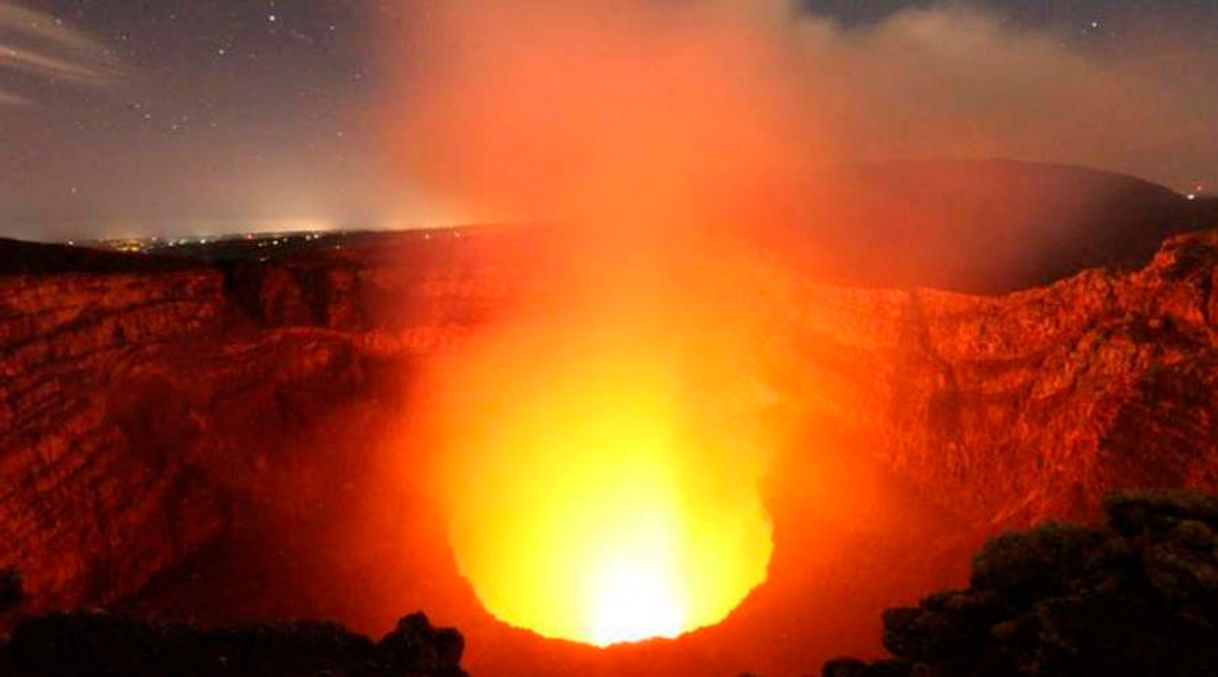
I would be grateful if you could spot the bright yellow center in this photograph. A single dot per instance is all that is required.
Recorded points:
(589, 503)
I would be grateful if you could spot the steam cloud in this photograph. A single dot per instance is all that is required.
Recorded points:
(537, 109)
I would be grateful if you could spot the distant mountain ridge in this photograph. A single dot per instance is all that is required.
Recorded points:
(34, 258)
(986, 226)
(979, 226)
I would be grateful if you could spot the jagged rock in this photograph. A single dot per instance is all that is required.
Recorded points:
(1135, 596)
(415, 641)
(96, 643)
(850, 667)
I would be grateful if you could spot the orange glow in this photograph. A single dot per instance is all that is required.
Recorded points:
(601, 443)
(602, 485)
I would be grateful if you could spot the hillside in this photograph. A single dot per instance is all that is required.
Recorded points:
(984, 226)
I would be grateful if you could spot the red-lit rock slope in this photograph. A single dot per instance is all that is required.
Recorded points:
(141, 401)
(1012, 409)
(142, 405)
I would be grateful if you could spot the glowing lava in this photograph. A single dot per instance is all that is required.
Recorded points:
(598, 494)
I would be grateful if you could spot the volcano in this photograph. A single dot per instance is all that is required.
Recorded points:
(247, 434)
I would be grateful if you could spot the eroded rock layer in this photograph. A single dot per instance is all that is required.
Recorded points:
(1017, 408)
(138, 404)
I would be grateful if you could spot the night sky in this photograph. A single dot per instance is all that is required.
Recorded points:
(123, 117)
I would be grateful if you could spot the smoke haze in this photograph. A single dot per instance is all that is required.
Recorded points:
(537, 110)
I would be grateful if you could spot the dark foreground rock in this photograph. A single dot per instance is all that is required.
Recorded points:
(1135, 596)
(97, 643)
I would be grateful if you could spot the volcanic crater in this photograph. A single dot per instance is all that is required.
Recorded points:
(226, 440)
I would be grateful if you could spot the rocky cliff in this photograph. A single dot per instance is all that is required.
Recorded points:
(140, 399)
(1016, 408)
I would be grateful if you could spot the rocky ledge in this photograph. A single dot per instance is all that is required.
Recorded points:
(1137, 595)
(96, 643)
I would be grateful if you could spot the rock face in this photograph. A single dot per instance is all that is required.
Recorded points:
(141, 403)
(1135, 596)
(100, 644)
(1014, 409)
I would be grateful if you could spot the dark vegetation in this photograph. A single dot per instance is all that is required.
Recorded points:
(96, 643)
(1137, 595)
